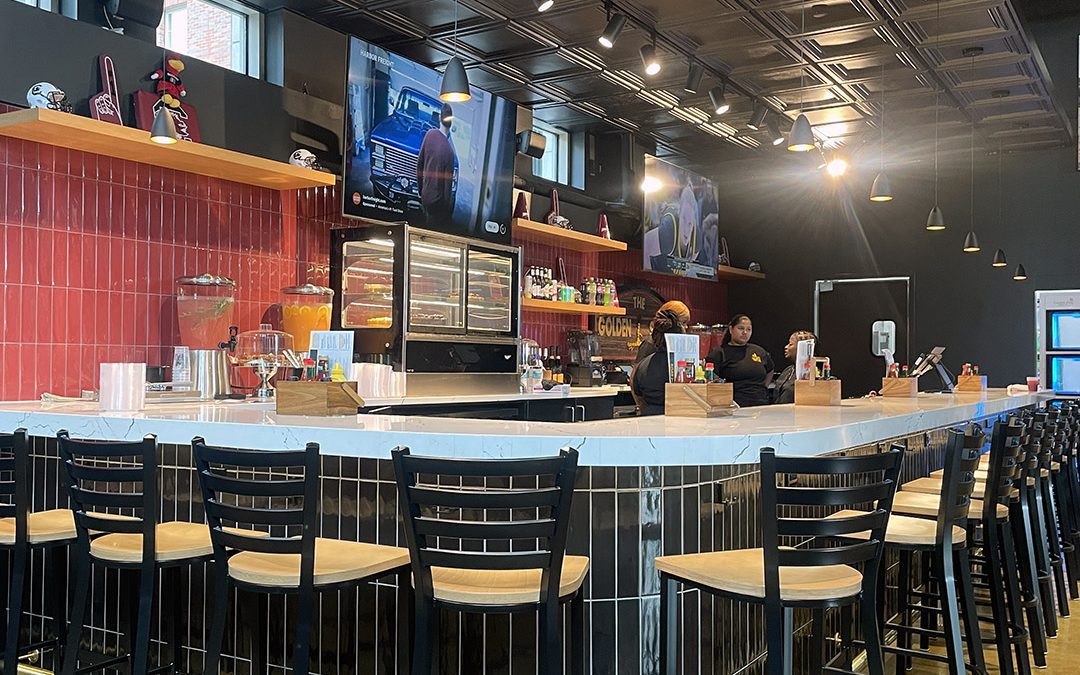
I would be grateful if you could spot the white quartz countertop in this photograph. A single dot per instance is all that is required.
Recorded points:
(574, 392)
(634, 441)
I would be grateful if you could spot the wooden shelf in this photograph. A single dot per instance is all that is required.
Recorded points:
(726, 273)
(557, 236)
(534, 305)
(112, 140)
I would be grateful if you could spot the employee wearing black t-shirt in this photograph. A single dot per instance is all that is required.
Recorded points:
(747, 366)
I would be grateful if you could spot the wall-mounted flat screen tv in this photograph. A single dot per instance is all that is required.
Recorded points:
(680, 221)
(411, 158)
(1064, 329)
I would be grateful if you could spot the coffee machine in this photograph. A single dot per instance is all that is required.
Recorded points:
(585, 365)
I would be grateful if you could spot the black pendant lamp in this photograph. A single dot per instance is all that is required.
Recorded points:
(801, 138)
(163, 130)
(455, 82)
(935, 221)
(1020, 274)
(999, 259)
(999, 255)
(881, 190)
(971, 242)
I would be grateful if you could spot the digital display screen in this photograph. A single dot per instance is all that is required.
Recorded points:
(680, 221)
(1064, 374)
(409, 156)
(1064, 329)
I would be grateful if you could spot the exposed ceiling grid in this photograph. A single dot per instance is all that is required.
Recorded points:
(832, 69)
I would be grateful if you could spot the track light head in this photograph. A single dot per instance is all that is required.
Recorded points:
(612, 30)
(757, 118)
(649, 59)
(719, 100)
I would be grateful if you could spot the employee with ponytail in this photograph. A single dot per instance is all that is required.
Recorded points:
(650, 375)
(746, 365)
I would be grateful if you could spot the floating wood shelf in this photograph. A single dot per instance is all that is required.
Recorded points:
(735, 274)
(534, 305)
(557, 236)
(112, 140)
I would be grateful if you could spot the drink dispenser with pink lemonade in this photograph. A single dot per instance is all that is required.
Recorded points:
(204, 310)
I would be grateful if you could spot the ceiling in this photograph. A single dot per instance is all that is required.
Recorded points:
(843, 62)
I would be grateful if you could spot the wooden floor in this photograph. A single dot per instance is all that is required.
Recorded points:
(1063, 657)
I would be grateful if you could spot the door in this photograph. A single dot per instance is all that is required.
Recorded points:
(845, 311)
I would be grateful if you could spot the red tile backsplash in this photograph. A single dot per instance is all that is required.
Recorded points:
(91, 248)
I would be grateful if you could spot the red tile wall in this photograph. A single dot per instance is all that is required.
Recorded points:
(91, 248)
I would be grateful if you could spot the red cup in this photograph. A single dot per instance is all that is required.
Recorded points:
(1033, 384)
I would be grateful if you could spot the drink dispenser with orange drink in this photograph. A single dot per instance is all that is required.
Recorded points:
(204, 310)
(304, 309)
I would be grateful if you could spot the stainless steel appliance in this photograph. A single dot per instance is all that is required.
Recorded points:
(445, 310)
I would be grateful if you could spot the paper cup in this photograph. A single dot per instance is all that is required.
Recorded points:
(122, 386)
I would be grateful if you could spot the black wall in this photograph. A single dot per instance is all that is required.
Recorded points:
(802, 226)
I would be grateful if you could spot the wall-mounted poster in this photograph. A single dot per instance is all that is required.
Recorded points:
(680, 221)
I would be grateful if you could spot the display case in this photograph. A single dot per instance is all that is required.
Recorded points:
(429, 304)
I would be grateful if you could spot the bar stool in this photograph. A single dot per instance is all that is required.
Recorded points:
(22, 531)
(123, 475)
(287, 557)
(783, 576)
(998, 559)
(497, 575)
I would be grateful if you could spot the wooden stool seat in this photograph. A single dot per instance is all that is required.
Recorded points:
(925, 505)
(932, 486)
(174, 541)
(42, 527)
(904, 530)
(504, 587)
(336, 562)
(742, 572)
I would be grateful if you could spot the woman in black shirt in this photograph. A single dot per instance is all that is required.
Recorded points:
(784, 389)
(679, 310)
(747, 366)
(650, 375)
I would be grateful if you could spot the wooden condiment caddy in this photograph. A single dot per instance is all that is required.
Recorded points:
(970, 384)
(317, 399)
(816, 391)
(900, 387)
(683, 399)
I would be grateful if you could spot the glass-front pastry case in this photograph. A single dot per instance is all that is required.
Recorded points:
(426, 302)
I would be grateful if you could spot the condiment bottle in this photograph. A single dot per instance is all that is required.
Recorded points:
(904, 371)
(708, 372)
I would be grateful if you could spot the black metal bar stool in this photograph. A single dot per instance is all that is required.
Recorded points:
(274, 547)
(1046, 508)
(22, 531)
(122, 476)
(783, 574)
(512, 556)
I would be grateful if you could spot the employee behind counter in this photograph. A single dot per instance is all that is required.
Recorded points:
(748, 367)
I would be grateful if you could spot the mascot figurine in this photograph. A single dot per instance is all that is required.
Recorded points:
(169, 84)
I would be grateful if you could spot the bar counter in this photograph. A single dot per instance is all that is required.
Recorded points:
(646, 487)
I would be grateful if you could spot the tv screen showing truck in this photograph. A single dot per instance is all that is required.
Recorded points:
(410, 157)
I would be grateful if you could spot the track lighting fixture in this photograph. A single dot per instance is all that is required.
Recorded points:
(719, 100)
(693, 78)
(614, 27)
(649, 59)
(757, 118)
(775, 136)
(543, 5)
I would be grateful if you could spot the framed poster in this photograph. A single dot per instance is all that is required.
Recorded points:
(680, 221)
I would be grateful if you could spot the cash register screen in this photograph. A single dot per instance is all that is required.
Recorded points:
(1065, 374)
(1064, 329)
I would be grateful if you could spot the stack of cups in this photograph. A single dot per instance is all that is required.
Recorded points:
(122, 387)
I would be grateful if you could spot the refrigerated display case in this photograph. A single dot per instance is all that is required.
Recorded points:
(432, 305)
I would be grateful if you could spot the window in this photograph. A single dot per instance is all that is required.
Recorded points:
(46, 5)
(221, 32)
(555, 164)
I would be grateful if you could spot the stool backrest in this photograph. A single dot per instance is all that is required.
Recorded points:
(1005, 455)
(119, 475)
(798, 484)
(962, 451)
(276, 492)
(14, 479)
(504, 515)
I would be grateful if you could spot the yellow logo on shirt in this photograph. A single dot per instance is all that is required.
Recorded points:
(755, 358)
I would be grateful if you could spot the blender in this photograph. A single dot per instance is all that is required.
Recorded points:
(204, 312)
(304, 309)
(585, 362)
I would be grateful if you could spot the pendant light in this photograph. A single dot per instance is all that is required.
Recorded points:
(1020, 274)
(935, 221)
(971, 242)
(999, 255)
(801, 138)
(881, 191)
(455, 82)
(163, 130)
